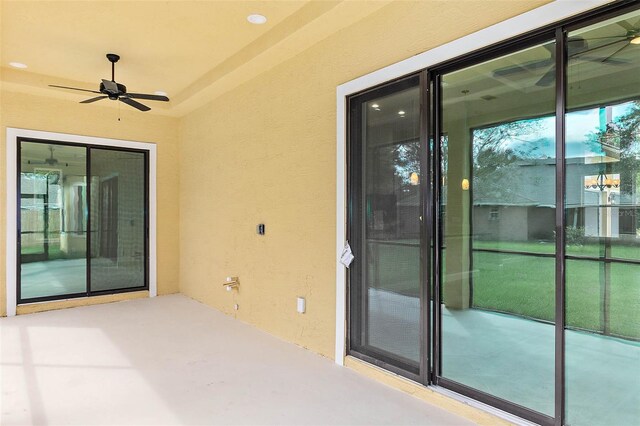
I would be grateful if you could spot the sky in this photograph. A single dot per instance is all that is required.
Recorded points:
(579, 125)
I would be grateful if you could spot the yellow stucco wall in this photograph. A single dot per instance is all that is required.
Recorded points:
(65, 116)
(265, 153)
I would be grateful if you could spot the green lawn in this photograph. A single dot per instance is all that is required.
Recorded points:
(54, 251)
(617, 251)
(525, 285)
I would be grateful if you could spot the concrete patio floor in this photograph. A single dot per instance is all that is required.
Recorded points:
(171, 360)
(513, 358)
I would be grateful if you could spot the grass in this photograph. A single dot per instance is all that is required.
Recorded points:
(525, 285)
(591, 249)
(53, 250)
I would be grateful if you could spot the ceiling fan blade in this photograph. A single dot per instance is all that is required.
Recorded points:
(134, 104)
(601, 58)
(110, 86)
(73, 88)
(606, 38)
(547, 78)
(627, 26)
(527, 66)
(616, 52)
(598, 47)
(148, 97)
(504, 72)
(97, 98)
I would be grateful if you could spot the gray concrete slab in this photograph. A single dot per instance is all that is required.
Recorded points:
(171, 360)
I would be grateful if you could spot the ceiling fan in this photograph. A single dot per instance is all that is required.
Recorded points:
(577, 49)
(631, 36)
(51, 161)
(116, 91)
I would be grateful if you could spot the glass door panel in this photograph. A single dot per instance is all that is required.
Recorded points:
(602, 210)
(498, 216)
(118, 219)
(52, 220)
(385, 277)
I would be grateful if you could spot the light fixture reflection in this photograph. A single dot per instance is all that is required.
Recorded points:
(414, 178)
(601, 182)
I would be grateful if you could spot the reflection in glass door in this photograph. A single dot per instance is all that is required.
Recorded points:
(536, 224)
(52, 220)
(385, 236)
(118, 220)
(498, 158)
(602, 211)
(57, 208)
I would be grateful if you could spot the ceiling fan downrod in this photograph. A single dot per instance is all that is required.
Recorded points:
(113, 58)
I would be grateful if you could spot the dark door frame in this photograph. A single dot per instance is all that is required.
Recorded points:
(89, 148)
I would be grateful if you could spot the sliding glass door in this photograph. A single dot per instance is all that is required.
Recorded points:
(82, 220)
(602, 210)
(385, 236)
(511, 273)
(498, 157)
(118, 219)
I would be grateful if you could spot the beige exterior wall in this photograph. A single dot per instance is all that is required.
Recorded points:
(54, 115)
(265, 153)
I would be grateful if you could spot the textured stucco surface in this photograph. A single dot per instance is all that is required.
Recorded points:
(265, 153)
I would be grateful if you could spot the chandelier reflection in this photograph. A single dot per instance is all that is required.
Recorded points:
(602, 182)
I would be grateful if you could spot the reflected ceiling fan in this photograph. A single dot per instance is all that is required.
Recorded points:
(116, 91)
(50, 161)
(577, 48)
(631, 36)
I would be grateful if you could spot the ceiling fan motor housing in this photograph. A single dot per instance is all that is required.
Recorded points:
(122, 89)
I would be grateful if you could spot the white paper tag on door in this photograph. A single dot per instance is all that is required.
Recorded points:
(347, 256)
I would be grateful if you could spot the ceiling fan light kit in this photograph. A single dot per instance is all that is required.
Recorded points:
(110, 89)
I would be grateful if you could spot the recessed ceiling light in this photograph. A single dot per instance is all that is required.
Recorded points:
(375, 106)
(160, 93)
(18, 65)
(257, 19)
(401, 112)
